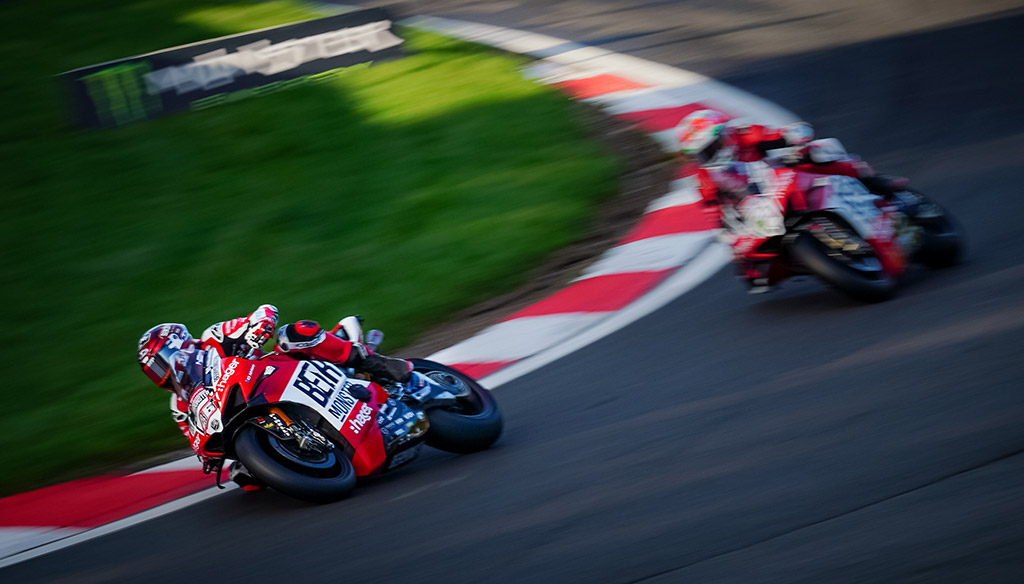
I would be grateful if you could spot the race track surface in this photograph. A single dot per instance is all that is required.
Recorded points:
(794, 437)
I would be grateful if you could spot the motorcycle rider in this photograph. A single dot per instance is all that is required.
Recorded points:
(723, 148)
(173, 360)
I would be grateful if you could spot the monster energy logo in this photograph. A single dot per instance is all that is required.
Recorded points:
(119, 94)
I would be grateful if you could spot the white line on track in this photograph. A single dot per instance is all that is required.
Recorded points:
(118, 525)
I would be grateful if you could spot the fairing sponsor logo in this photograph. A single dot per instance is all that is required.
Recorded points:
(356, 424)
(226, 375)
(851, 200)
(203, 415)
(342, 404)
(318, 380)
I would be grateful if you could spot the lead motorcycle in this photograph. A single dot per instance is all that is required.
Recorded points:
(310, 428)
(797, 222)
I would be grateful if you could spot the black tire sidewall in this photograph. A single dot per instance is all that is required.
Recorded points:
(807, 250)
(457, 432)
(253, 455)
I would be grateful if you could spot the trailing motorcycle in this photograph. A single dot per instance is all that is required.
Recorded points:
(793, 221)
(310, 428)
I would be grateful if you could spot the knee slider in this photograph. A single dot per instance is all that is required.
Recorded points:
(304, 334)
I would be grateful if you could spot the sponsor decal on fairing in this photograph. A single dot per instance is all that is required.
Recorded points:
(324, 387)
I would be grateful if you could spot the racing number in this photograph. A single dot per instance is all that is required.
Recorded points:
(318, 380)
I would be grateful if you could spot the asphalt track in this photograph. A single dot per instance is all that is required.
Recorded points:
(794, 437)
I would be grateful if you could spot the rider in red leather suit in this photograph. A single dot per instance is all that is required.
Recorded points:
(723, 148)
(166, 349)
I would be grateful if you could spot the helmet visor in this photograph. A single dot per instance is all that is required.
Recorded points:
(160, 364)
(187, 371)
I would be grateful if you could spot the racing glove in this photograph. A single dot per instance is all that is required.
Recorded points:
(260, 325)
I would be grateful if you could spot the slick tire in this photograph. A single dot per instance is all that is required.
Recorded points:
(328, 480)
(472, 425)
(942, 241)
(866, 285)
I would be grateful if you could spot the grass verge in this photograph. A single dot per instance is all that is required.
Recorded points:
(403, 192)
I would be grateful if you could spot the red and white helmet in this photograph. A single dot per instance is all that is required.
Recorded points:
(157, 349)
(702, 133)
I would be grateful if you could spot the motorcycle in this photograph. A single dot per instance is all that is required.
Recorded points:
(310, 428)
(793, 221)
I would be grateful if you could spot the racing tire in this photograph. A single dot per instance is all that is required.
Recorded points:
(867, 283)
(942, 239)
(321, 481)
(473, 424)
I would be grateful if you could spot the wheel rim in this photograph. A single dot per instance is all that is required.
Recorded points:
(307, 461)
(466, 402)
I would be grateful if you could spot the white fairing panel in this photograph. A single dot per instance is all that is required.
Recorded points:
(322, 386)
(852, 201)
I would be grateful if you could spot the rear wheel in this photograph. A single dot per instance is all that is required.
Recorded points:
(319, 475)
(473, 423)
(942, 240)
(860, 276)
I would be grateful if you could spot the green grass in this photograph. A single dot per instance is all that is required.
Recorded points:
(403, 192)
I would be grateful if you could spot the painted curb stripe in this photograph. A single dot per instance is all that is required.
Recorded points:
(666, 252)
(519, 338)
(481, 370)
(596, 86)
(597, 294)
(97, 501)
(683, 192)
(677, 219)
(659, 120)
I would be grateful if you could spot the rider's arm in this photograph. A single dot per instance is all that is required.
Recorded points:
(179, 411)
(236, 336)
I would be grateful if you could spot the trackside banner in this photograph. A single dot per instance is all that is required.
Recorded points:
(226, 69)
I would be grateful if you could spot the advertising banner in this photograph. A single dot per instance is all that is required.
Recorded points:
(208, 73)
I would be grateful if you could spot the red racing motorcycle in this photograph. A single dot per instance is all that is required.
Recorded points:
(310, 428)
(795, 222)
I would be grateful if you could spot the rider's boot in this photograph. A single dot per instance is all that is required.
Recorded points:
(378, 365)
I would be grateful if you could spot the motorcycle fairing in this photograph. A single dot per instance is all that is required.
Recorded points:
(325, 388)
(848, 198)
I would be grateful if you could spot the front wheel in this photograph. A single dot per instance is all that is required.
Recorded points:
(861, 277)
(318, 476)
(472, 424)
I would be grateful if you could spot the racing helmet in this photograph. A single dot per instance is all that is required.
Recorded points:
(702, 134)
(158, 351)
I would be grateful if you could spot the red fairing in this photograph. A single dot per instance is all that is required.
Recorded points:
(840, 167)
(359, 427)
(363, 433)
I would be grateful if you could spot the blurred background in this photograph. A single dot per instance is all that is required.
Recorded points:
(402, 192)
